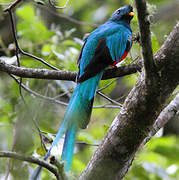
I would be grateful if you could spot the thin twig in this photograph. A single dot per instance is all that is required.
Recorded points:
(39, 59)
(53, 99)
(109, 99)
(30, 159)
(85, 143)
(61, 95)
(12, 5)
(14, 32)
(39, 95)
(107, 106)
(77, 142)
(16, 44)
(119, 98)
(43, 147)
(108, 84)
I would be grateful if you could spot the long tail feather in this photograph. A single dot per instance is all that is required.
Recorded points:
(76, 116)
(68, 147)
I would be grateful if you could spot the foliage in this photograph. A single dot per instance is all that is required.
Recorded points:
(158, 160)
(60, 47)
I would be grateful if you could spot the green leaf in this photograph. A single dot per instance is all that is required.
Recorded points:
(26, 13)
(30, 26)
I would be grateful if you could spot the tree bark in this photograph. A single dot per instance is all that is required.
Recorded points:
(115, 154)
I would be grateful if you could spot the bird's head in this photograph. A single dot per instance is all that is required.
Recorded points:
(124, 13)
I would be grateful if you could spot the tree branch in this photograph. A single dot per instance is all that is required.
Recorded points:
(167, 114)
(30, 159)
(65, 75)
(145, 37)
(12, 5)
(60, 167)
(115, 154)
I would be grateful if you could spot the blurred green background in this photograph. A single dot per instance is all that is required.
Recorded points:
(51, 34)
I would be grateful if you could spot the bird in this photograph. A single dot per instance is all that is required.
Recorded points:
(106, 46)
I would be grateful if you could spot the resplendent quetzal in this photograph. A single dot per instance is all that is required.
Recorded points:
(107, 45)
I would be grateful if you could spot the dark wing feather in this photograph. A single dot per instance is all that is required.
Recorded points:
(79, 58)
(128, 46)
(99, 62)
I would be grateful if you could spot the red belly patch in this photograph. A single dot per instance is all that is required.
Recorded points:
(124, 55)
(122, 58)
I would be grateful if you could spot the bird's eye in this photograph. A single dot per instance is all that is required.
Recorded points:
(118, 12)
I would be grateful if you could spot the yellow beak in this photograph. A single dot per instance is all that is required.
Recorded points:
(131, 14)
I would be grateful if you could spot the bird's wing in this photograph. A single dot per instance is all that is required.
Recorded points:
(117, 44)
(108, 50)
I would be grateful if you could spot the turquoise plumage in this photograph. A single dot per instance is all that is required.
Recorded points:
(105, 46)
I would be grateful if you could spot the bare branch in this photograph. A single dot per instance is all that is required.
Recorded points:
(107, 106)
(85, 143)
(54, 100)
(107, 85)
(109, 99)
(12, 5)
(30, 159)
(37, 58)
(60, 167)
(65, 75)
(122, 70)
